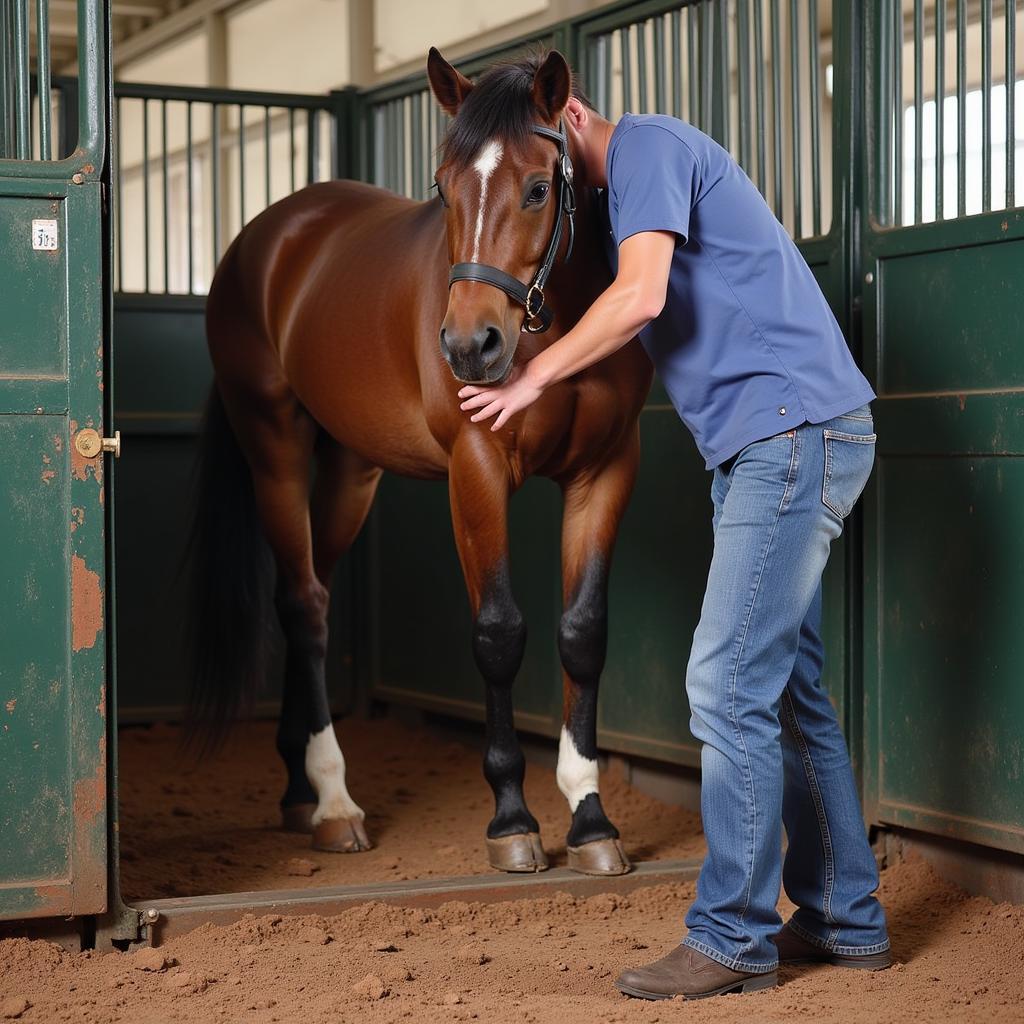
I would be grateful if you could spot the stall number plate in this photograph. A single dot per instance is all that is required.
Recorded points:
(44, 235)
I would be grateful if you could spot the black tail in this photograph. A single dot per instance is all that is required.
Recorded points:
(232, 581)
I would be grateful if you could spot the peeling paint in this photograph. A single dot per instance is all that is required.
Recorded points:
(86, 605)
(48, 475)
(10, 705)
(77, 517)
(90, 796)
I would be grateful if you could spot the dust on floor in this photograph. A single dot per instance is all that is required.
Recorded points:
(540, 961)
(189, 830)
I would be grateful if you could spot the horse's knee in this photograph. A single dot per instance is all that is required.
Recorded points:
(499, 639)
(583, 637)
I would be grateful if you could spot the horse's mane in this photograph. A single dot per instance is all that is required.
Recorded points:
(499, 106)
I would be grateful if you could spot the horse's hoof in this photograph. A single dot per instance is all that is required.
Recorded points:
(523, 852)
(341, 835)
(298, 818)
(600, 857)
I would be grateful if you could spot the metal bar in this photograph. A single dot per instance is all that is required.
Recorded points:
(961, 103)
(815, 87)
(606, 76)
(118, 190)
(400, 148)
(241, 166)
(707, 49)
(677, 64)
(188, 192)
(794, 91)
(266, 156)
(897, 78)
(986, 105)
(416, 139)
(22, 92)
(743, 81)
(918, 110)
(1011, 97)
(883, 170)
(724, 75)
(43, 77)
(312, 147)
(291, 149)
(759, 95)
(692, 36)
(165, 196)
(215, 172)
(940, 105)
(627, 70)
(225, 97)
(145, 193)
(776, 105)
(641, 64)
(659, 64)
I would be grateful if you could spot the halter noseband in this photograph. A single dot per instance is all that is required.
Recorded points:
(531, 297)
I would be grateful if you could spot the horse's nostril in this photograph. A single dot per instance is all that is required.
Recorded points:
(491, 344)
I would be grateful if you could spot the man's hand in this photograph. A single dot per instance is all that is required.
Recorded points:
(513, 396)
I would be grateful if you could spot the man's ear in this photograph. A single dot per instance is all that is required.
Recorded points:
(552, 86)
(450, 87)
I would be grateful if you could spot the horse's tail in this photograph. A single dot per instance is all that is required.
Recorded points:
(232, 579)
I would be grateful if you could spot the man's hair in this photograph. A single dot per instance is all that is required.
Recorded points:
(500, 105)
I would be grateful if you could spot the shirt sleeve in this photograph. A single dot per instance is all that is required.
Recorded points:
(654, 179)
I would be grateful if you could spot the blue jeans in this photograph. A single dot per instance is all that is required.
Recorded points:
(773, 752)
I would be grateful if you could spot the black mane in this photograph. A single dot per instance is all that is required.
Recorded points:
(499, 106)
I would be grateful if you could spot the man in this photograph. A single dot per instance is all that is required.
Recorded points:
(758, 370)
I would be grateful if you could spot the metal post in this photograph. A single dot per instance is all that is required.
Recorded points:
(918, 110)
(940, 106)
(43, 74)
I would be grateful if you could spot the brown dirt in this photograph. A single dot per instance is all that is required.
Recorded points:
(215, 828)
(542, 961)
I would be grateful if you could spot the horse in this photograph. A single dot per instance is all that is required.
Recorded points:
(340, 323)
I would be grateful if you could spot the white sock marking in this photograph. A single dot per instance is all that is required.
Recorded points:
(325, 769)
(487, 159)
(576, 774)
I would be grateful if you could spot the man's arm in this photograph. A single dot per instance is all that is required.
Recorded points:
(630, 302)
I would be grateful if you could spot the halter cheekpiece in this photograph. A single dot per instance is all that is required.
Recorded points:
(531, 297)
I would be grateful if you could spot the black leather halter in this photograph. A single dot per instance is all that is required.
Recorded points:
(531, 297)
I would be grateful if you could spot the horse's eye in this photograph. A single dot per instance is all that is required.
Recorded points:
(539, 192)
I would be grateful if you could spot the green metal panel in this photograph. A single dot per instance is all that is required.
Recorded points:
(52, 557)
(943, 712)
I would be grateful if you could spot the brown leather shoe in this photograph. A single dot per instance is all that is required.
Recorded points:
(690, 974)
(795, 950)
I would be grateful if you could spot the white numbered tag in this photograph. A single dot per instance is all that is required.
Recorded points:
(44, 235)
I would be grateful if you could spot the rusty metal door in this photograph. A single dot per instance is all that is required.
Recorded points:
(53, 281)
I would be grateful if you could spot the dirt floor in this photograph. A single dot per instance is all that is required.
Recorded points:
(214, 828)
(542, 961)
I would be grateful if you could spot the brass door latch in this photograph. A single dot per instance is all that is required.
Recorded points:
(89, 443)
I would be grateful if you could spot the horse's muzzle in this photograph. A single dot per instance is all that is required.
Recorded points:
(477, 358)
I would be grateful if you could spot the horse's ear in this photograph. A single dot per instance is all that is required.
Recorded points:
(552, 86)
(450, 87)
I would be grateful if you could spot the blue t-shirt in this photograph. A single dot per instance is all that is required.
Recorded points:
(746, 345)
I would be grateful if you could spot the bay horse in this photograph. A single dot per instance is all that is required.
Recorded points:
(339, 335)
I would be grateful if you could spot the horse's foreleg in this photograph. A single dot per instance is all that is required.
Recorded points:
(594, 505)
(479, 491)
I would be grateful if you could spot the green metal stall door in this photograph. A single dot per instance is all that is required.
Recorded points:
(53, 779)
(943, 325)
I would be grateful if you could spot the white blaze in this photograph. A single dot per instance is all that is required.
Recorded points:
(487, 159)
(576, 775)
(325, 769)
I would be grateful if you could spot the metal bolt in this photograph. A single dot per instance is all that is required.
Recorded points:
(869, 277)
(151, 915)
(77, 179)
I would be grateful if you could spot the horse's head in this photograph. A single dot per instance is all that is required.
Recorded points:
(505, 180)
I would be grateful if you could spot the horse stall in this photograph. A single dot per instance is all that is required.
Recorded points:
(117, 835)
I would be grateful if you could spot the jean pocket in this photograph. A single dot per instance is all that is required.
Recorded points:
(848, 462)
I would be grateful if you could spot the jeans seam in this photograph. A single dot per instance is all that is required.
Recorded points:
(790, 477)
(803, 933)
(733, 963)
(819, 806)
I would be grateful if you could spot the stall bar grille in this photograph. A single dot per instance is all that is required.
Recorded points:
(964, 155)
(194, 165)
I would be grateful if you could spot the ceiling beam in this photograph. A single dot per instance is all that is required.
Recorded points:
(120, 8)
(169, 27)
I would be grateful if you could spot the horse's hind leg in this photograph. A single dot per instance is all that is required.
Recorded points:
(278, 437)
(479, 492)
(593, 510)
